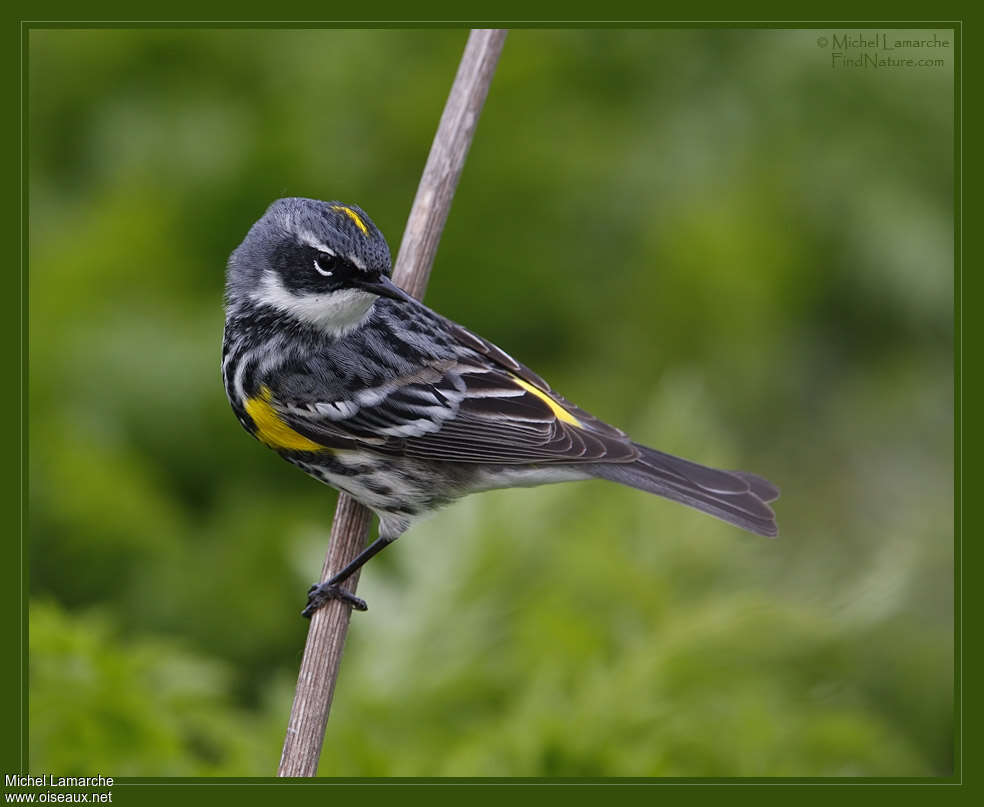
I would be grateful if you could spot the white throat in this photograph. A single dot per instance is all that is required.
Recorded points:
(336, 313)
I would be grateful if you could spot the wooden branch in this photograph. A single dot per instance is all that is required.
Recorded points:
(329, 625)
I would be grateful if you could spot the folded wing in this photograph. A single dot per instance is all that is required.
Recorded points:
(482, 408)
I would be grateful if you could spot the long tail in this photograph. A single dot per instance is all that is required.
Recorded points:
(733, 496)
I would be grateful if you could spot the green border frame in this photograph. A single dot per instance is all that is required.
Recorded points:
(14, 583)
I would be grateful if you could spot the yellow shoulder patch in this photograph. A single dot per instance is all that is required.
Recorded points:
(559, 412)
(270, 429)
(354, 216)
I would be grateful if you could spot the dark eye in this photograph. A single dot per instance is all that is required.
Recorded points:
(325, 264)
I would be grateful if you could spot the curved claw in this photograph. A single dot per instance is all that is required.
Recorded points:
(321, 593)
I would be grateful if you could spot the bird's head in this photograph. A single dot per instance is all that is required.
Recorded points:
(322, 263)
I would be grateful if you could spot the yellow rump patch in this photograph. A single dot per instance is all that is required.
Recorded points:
(354, 216)
(559, 412)
(271, 430)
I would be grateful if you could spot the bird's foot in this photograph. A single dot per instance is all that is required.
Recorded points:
(321, 593)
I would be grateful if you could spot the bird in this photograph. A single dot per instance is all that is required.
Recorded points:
(329, 363)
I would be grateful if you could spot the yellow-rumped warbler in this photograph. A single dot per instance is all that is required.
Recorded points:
(343, 374)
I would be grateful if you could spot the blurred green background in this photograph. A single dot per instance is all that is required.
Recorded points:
(710, 238)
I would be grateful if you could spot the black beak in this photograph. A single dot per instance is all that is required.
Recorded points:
(384, 287)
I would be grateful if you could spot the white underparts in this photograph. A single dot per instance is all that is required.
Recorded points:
(520, 477)
(336, 313)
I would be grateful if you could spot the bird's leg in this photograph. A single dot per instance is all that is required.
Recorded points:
(320, 593)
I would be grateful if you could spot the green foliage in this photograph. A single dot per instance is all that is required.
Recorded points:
(139, 706)
(709, 238)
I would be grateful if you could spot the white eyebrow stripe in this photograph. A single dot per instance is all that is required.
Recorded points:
(310, 239)
(355, 262)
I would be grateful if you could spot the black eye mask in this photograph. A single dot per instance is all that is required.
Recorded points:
(306, 270)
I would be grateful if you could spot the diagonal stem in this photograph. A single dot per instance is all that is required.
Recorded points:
(329, 625)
